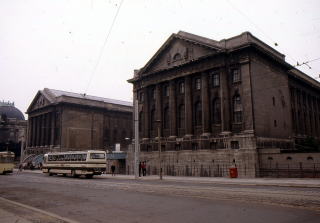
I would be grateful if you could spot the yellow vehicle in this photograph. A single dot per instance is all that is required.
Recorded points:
(6, 162)
(75, 163)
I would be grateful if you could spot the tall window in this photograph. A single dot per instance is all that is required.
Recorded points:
(216, 111)
(152, 119)
(235, 75)
(141, 97)
(198, 83)
(237, 109)
(166, 90)
(166, 118)
(181, 87)
(198, 113)
(215, 79)
(153, 93)
(181, 116)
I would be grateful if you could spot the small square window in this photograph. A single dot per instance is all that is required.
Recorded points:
(234, 145)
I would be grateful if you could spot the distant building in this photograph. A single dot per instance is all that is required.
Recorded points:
(62, 121)
(12, 128)
(217, 104)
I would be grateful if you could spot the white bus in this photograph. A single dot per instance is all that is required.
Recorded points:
(6, 162)
(75, 163)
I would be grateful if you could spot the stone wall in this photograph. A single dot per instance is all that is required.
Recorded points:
(202, 162)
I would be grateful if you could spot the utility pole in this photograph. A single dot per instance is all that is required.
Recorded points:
(136, 138)
(159, 145)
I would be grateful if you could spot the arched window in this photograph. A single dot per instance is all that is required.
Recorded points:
(166, 118)
(216, 111)
(237, 109)
(198, 113)
(152, 119)
(181, 116)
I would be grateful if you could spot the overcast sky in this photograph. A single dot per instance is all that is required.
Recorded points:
(57, 43)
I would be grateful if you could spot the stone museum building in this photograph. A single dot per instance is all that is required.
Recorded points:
(229, 103)
(63, 121)
(13, 128)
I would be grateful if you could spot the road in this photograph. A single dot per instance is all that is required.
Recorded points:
(107, 199)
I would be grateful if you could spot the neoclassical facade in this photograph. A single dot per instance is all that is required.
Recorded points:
(217, 104)
(63, 121)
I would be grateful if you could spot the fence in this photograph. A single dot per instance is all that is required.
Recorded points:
(296, 170)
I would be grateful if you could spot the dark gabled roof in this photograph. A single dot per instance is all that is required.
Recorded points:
(57, 93)
(57, 96)
(189, 37)
(224, 45)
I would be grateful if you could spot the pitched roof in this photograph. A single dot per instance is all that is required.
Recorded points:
(57, 93)
(224, 45)
(53, 97)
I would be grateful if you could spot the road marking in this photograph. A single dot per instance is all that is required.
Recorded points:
(39, 210)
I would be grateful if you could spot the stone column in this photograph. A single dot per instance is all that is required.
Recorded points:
(158, 109)
(205, 104)
(188, 106)
(48, 127)
(225, 101)
(29, 142)
(52, 128)
(33, 133)
(38, 129)
(42, 133)
(173, 109)
(146, 111)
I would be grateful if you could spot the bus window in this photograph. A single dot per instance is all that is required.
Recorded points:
(84, 157)
(97, 156)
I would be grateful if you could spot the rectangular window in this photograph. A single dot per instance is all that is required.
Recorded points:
(198, 83)
(97, 156)
(181, 87)
(153, 93)
(215, 80)
(141, 97)
(235, 75)
(166, 90)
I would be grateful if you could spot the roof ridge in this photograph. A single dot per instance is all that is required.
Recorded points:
(86, 97)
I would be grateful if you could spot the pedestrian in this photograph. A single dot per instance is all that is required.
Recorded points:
(113, 169)
(144, 168)
(140, 168)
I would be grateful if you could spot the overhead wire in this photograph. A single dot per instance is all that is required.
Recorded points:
(103, 47)
(274, 42)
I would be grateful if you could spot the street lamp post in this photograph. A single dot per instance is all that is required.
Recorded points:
(159, 145)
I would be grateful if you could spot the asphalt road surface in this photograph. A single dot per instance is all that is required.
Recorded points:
(107, 199)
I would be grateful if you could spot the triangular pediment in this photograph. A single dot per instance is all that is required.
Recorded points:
(178, 50)
(39, 101)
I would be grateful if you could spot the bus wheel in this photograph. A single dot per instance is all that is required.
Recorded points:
(89, 176)
(64, 174)
(50, 174)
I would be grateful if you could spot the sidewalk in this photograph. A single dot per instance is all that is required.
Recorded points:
(281, 182)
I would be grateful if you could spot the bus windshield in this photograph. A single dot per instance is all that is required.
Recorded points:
(97, 156)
